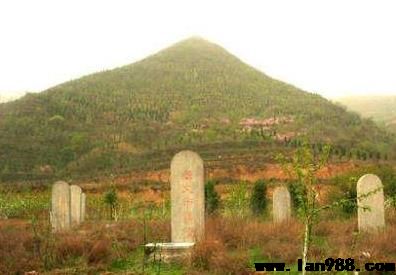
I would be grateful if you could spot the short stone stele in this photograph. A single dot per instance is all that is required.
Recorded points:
(370, 195)
(83, 204)
(281, 204)
(75, 204)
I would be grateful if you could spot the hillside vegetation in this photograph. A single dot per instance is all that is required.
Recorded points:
(382, 109)
(192, 95)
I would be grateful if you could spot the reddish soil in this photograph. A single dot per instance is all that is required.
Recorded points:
(131, 187)
(14, 223)
(239, 172)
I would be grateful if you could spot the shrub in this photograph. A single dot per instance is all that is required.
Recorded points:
(111, 200)
(211, 198)
(258, 199)
(238, 201)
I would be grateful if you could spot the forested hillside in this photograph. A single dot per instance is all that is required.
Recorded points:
(381, 109)
(191, 95)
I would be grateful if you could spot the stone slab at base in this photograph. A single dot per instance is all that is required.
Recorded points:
(169, 252)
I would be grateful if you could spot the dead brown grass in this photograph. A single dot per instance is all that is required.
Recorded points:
(69, 246)
(212, 256)
(344, 241)
(225, 249)
(100, 252)
(242, 234)
(227, 244)
(94, 244)
(16, 253)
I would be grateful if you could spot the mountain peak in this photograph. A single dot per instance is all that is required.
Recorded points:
(196, 38)
(195, 52)
(196, 43)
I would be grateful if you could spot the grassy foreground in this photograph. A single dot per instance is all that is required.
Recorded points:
(234, 241)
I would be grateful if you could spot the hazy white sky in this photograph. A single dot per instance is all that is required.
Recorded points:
(334, 47)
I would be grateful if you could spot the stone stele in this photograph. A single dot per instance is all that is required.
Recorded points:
(60, 206)
(281, 204)
(187, 197)
(370, 195)
(83, 204)
(75, 204)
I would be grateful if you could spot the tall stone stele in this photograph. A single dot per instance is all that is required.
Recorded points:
(75, 204)
(60, 207)
(370, 195)
(187, 197)
(281, 209)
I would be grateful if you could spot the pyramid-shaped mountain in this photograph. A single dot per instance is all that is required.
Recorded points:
(193, 94)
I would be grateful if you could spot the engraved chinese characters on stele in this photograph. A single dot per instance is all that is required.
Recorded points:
(371, 215)
(187, 197)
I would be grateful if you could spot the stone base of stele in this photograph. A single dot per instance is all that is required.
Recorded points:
(169, 252)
